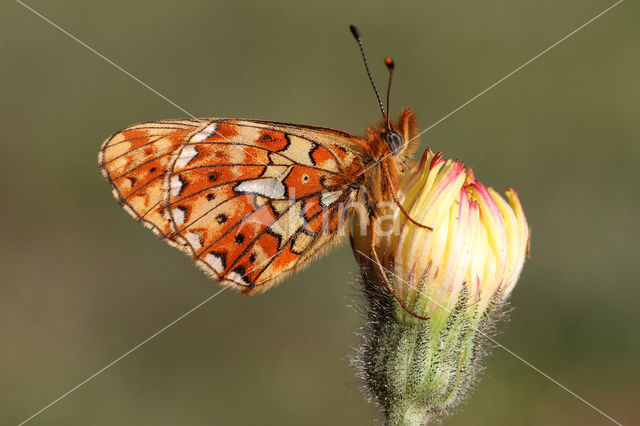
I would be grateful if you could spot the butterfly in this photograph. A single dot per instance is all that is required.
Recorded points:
(251, 201)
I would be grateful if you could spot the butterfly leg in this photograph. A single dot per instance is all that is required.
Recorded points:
(395, 200)
(383, 274)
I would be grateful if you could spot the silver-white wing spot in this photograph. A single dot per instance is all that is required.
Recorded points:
(267, 187)
(186, 155)
(178, 216)
(237, 278)
(175, 185)
(205, 133)
(194, 240)
(328, 198)
(215, 262)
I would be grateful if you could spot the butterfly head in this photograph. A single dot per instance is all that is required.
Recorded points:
(398, 137)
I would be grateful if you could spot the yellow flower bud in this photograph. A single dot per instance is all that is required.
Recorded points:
(458, 275)
(477, 246)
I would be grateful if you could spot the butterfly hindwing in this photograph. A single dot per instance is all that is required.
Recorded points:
(316, 231)
(249, 200)
(255, 200)
(136, 160)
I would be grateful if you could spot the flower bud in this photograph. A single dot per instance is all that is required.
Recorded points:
(459, 274)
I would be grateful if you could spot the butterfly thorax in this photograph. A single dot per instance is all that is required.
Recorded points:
(381, 175)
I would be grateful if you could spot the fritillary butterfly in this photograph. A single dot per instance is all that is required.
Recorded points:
(250, 200)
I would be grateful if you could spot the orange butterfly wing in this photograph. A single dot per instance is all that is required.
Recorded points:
(249, 200)
(136, 161)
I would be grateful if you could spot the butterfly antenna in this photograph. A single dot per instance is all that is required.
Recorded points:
(390, 66)
(356, 34)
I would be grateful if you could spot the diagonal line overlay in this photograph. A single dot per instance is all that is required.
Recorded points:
(94, 375)
(194, 308)
(504, 347)
(76, 39)
(109, 61)
(497, 83)
(139, 345)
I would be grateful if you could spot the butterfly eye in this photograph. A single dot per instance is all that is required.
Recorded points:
(394, 141)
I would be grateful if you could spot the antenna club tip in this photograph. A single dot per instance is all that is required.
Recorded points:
(389, 62)
(355, 31)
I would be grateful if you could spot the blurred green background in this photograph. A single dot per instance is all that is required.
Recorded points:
(82, 283)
